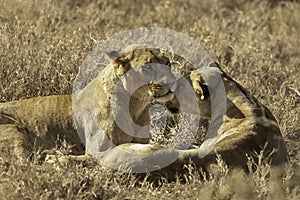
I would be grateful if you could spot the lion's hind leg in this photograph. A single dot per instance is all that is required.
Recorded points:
(14, 142)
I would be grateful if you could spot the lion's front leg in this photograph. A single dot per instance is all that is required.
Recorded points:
(59, 158)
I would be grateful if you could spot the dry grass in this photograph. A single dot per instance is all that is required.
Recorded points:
(42, 44)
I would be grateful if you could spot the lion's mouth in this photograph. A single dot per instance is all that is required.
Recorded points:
(164, 96)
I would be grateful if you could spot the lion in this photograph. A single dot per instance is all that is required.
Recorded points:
(39, 123)
(36, 124)
(247, 129)
(95, 114)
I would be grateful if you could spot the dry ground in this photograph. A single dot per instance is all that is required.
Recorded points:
(42, 44)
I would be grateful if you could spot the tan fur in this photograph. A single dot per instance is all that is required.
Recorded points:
(248, 129)
(37, 122)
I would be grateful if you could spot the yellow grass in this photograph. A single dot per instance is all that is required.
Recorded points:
(42, 44)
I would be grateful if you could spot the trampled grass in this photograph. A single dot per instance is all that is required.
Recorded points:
(43, 43)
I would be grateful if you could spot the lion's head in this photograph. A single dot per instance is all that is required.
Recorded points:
(121, 96)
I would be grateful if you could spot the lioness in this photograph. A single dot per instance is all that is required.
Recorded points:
(246, 128)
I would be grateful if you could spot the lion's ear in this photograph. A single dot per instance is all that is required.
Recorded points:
(112, 56)
(199, 84)
(214, 64)
(118, 61)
